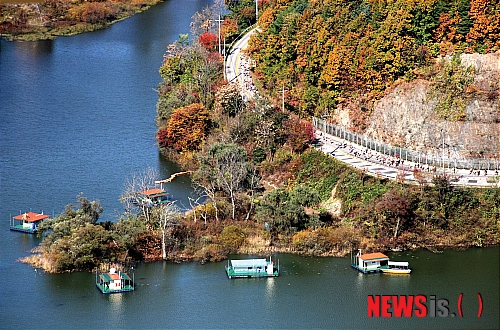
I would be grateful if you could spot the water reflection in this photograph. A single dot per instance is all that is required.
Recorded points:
(360, 280)
(116, 301)
(28, 241)
(34, 48)
(270, 290)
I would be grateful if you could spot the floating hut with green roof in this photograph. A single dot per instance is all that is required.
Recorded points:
(114, 282)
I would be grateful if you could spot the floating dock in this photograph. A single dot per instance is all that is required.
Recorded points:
(370, 262)
(154, 197)
(249, 268)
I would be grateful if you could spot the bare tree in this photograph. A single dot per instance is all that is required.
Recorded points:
(205, 20)
(199, 207)
(232, 167)
(204, 180)
(253, 182)
(223, 168)
(133, 198)
(166, 216)
(265, 136)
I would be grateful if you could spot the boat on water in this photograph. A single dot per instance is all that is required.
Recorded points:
(397, 267)
(114, 281)
(378, 262)
(27, 222)
(249, 268)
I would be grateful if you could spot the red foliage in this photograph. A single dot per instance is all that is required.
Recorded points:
(309, 130)
(214, 57)
(299, 133)
(209, 41)
(162, 137)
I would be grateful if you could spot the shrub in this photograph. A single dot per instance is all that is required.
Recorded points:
(232, 238)
(92, 12)
(325, 240)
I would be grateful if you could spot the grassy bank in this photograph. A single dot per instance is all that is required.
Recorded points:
(48, 20)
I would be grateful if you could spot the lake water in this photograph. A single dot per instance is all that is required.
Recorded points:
(77, 115)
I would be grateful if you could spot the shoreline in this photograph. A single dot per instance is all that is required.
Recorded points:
(38, 33)
(39, 261)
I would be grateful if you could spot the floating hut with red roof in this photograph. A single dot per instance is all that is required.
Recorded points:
(155, 196)
(27, 222)
(370, 262)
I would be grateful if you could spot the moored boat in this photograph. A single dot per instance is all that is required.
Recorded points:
(397, 267)
(252, 268)
(369, 262)
(154, 197)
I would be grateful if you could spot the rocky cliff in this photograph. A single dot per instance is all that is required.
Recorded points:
(406, 116)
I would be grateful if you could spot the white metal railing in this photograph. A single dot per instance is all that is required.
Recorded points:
(408, 155)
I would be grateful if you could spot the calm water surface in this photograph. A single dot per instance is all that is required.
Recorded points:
(77, 115)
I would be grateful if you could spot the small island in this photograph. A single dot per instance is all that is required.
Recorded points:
(263, 183)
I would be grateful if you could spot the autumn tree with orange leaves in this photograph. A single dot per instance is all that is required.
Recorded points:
(187, 128)
(485, 33)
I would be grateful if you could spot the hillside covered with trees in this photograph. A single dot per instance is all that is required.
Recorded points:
(253, 161)
(330, 53)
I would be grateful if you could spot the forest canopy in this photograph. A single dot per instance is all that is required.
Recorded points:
(325, 52)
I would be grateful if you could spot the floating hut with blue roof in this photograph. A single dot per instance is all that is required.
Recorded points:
(252, 268)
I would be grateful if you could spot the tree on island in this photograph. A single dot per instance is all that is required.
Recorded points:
(166, 217)
(75, 240)
(225, 167)
(133, 198)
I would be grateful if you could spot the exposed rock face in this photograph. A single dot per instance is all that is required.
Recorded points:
(406, 116)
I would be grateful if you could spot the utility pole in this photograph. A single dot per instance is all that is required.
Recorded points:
(282, 97)
(218, 21)
(256, 12)
(442, 157)
(223, 53)
(224, 58)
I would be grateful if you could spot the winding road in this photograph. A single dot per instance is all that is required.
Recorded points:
(238, 70)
